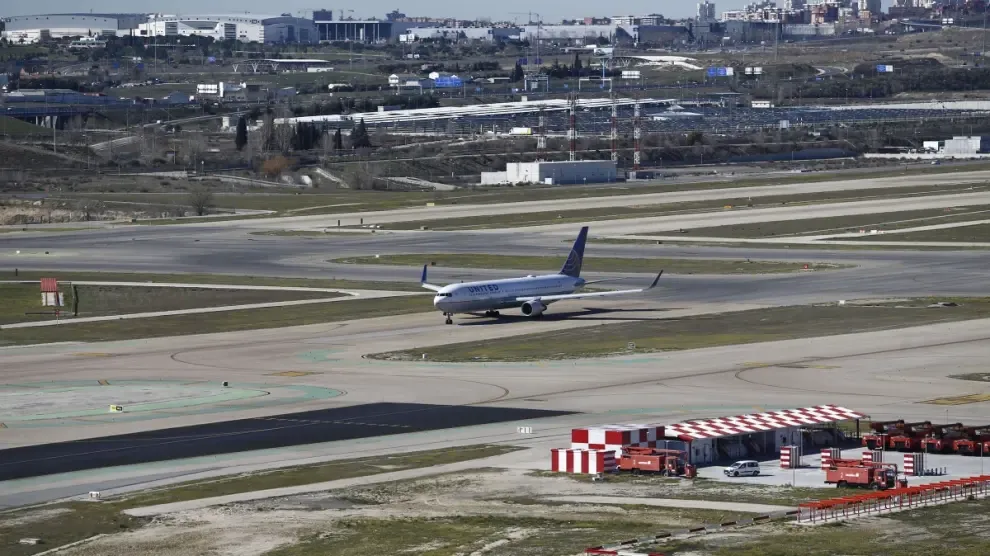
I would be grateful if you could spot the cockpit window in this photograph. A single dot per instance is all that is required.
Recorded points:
(443, 295)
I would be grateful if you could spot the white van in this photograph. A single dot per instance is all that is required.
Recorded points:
(742, 468)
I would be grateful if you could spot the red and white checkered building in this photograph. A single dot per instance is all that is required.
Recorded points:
(752, 436)
(615, 437)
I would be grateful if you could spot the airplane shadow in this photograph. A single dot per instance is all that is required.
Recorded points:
(598, 313)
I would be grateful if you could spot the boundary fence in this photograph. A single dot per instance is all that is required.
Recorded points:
(909, 498)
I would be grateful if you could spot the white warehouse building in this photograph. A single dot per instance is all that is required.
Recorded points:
(35, 28)
(553, 173)
(242, 27)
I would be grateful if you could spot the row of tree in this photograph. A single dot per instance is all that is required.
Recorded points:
(303, 137)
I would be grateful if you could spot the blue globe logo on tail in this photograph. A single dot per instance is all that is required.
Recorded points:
(572, 266)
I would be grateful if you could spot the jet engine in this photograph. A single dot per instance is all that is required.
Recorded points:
(533, 308)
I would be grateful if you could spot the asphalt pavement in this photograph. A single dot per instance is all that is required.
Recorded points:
(225, 437)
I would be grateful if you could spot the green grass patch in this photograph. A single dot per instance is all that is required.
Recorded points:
(978, 377)
(95, 301)
(702, 331)
(601, 264)
(193, 278)
(207, 323)
(977, 233)
(60, 524)
(15, 128)
(843, 224)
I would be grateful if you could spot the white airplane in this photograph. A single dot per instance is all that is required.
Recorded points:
(532, 294)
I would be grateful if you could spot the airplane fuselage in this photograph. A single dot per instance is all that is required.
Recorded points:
(492, 295)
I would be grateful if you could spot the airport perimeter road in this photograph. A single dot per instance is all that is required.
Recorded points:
(319, 222)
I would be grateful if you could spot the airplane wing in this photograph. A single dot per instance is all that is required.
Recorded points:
(422, 282)
(589, 294)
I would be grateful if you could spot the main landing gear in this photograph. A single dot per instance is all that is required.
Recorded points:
(491, 313)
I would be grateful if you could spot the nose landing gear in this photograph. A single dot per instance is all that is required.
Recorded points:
(449, 320)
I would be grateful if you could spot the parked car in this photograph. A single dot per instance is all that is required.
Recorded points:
(742, 468)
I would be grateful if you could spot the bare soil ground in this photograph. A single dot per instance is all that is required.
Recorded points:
(497, 512)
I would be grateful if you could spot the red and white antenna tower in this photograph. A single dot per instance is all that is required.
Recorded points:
(572, 129)
(615, 130)
(541, 138)
(636, 136)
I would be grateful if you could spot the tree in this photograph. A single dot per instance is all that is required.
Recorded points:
(359, 136)
(201, 200)
(242, 137)
(338, 141)
(273, 167)
(517, 73)
(577, 67)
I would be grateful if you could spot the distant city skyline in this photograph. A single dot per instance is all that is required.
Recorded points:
(508, 10)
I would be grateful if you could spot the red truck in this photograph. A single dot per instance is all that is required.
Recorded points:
(944, 438)
(876, 476)
(972, 441)
(652, 460)
(910, 436)
(879, 439)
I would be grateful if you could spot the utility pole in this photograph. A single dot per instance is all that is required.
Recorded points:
(615, 130)
(636, 136)
(541, 138)
(572, 128)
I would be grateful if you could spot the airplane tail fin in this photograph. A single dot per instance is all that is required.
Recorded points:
(572, 266)
(425, 284)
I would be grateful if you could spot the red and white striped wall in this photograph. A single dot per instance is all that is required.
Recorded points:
(873, 456)
(829, 455)
(589, 462)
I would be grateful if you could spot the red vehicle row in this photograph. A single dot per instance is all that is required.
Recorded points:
(924, 436)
